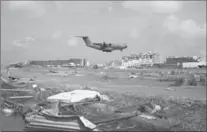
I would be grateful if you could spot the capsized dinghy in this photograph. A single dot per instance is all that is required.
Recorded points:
(42, 121)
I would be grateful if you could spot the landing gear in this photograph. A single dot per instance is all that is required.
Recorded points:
(106, 50)
(104, 44)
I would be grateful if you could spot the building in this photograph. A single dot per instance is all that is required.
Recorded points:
(141, 59)
(115, 63)
(180, 60)
(64, 63)
(190, 64)
(186, 62)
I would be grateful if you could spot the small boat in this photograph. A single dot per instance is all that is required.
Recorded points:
(40, 122)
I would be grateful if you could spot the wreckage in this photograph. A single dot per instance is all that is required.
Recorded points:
(78, 110)
(75, 110)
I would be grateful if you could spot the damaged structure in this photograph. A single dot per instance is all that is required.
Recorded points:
(141, 59)
(77, 110)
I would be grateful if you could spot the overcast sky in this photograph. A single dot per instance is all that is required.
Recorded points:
(43, 30)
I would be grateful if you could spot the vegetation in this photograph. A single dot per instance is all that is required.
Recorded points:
(186, 78)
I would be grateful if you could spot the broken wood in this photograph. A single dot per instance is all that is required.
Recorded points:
(20, 97)
(17, 90)
(116, 119)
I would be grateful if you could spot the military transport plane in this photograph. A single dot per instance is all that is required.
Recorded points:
(105, 47)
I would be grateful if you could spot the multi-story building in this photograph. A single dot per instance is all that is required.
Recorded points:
(137, 60)
(186, 61)
(176, 60)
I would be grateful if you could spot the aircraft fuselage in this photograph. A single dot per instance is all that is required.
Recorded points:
(105, 47)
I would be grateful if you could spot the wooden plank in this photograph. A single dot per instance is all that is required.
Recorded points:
(21, 97)
(56, 126)
(44, 128)
(60, 121)
(24, 90)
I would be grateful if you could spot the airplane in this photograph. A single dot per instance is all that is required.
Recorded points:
(105, 47)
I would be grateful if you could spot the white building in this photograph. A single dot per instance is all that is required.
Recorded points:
(141, 59)
(190, 64)
(202, 62)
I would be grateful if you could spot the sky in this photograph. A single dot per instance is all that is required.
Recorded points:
(40, 30)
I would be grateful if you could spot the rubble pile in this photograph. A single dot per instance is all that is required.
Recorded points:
(100, 111)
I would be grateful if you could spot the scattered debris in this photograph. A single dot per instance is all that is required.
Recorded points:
(14, 78)
(38, 120)
(148, 117)
(172, 89)
(79, 75)
(96, 116)
(106, 77)
(88, 88)
(52, 71)
(20, 97)
(87, 123)
(166, 108)
(102, 73)
(57, 74)
(104, 97)
(156, 109)
(81, 105)
(4, 80)
(8, 112)
(133, 76)
(16, 90)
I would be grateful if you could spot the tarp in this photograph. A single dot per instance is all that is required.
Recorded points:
(75, 96)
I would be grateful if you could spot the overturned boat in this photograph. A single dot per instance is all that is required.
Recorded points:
(39, 122)
(74, 120)
(54, 119)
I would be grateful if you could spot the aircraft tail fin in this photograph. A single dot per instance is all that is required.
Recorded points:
(86, 40)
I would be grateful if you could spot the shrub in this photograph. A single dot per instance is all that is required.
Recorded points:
(178, 81)
(190, 80)
(172, 72)
(202, 80)
(187, 79)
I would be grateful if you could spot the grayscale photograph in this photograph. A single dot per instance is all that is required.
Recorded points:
(103, 66)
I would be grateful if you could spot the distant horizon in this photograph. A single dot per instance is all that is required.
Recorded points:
(44, 30)
(104, 61)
